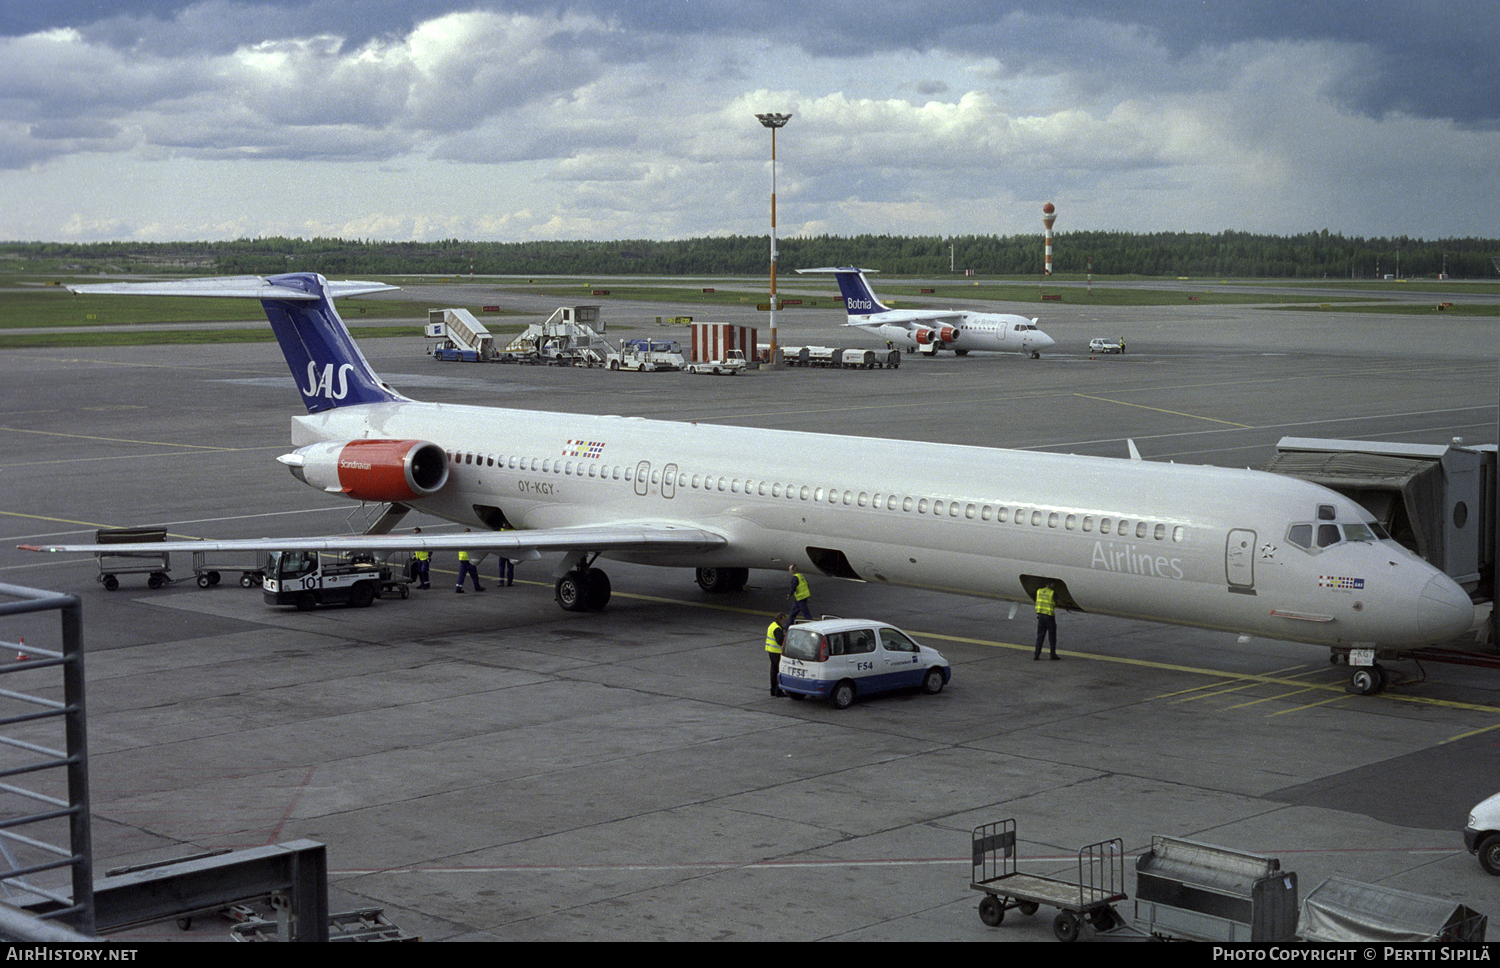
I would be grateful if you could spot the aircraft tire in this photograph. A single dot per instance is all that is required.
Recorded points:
(571, 592)
(1365, 681)
(598, 589)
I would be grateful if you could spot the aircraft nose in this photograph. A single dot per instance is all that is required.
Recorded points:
(1444, 610)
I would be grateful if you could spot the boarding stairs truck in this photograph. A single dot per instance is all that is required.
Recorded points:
(571, 335)
(461, 337)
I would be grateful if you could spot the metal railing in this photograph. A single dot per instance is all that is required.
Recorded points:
(44, 767)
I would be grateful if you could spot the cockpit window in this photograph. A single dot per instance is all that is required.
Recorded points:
(1328, 534)
(1359, 532)
(1326, 512)
(1300, 535)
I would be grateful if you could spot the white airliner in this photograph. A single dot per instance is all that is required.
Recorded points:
(930, 330)
(1234, 550)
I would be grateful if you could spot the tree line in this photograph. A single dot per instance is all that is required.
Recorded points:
(1314, 255)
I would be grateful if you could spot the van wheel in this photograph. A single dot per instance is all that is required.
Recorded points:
(1489, 854)
(842, 696)
(305, 602)
(932, 683)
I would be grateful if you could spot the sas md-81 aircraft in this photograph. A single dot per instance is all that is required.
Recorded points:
(930, 330)
(1232, 550)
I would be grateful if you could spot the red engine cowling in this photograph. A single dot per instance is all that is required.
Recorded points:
(372, 470)
(923, 336)
(947, 334)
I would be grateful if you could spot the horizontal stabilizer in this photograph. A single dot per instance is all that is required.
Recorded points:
(230, 287)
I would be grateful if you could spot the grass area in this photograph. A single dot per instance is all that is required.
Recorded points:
(84, 320)
(150, 337)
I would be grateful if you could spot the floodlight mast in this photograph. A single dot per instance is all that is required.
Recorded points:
(773, 121)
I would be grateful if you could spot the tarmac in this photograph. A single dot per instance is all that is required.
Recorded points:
(489, 767)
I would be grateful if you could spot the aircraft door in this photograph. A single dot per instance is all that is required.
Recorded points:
(643, 478)
(1239, 559)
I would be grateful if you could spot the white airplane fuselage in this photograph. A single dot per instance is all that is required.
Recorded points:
(961, 332)
(1189, 545)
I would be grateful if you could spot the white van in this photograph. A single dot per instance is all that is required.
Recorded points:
(839, 659)
(1482, 835)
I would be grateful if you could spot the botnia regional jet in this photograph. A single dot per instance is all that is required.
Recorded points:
(1210, 547)
(930, 330)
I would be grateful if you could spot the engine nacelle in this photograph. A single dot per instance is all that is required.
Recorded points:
(923, 336)
(372, 470)
(947, 334)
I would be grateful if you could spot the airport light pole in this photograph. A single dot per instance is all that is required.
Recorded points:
(773, 121)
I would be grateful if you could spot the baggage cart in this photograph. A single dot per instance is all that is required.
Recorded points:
(252, 570)
(1345, 911)
(1199, 892)
(156, 564)
(1100, 884)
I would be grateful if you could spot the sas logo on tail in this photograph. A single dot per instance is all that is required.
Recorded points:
(323, 385)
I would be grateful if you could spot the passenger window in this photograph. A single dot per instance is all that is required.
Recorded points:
(1140, 529)
(894, 641)
(1104, 525)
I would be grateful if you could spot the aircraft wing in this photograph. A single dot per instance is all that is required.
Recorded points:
(915, 319)
(642, 538)
(230, 287)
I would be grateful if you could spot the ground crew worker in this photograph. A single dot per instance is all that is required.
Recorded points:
(800, 594)
(775, 639)
(1046, 619)
(507, 565)
(421, 565)
(467, 567)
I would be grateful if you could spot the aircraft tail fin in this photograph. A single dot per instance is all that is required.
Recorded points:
(859, 298)
(327, 365)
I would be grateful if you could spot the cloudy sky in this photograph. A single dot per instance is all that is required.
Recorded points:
(525, 119)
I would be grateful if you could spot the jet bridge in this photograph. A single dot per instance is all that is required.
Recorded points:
(1437, 500)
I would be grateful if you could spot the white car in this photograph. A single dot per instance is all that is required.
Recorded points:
(1482, 833)
(841, 659)
(1101, 345)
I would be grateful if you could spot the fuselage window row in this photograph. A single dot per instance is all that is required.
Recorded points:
(938, 507)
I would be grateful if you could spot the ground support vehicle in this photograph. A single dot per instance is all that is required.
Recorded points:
(156, 565)
(1482, 833)
(307, 579)
(844, 659)
(1100, 884)
(732, 364)
(252, 573)
(1100, 345)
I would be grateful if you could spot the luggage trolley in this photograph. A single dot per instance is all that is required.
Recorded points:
(1100, 884)
(155, 564)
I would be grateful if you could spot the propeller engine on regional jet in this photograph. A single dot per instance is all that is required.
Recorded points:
(372, 470)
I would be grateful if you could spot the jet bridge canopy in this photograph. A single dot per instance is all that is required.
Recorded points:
(1437, 500)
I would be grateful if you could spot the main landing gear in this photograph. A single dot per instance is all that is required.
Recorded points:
(722, 581)
(583, 590)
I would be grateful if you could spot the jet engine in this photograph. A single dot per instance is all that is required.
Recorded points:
(923, 336)
(371, 470)
(947, 334)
